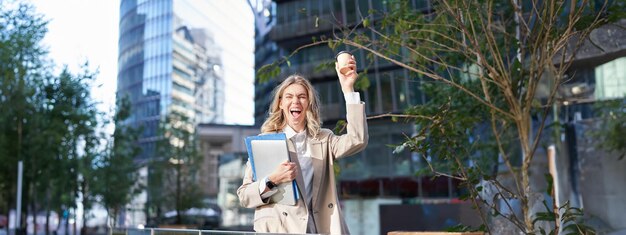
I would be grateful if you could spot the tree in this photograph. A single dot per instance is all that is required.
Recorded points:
(22, 67)
(65, 141)
(116, 172)
(492, 70)
(179, 162)
(492, 59)
(47, 120)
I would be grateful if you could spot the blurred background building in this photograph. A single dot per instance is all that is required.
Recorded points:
(198, 58)
(170, 59)
(376, 176)
(379, 189)
(190, 57)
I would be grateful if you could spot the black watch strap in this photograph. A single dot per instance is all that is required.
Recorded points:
(270, 185)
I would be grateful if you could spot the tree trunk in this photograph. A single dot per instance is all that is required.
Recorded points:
(84, 216)
(25, 195)
(47, 210)
(108, 220)
(524, 126)
(83, 228)
(47, 229)
(33, 208)
(74, 224)
(113, 218)
(67, 223)
(8, 211)
(178, 203)
(56, 230)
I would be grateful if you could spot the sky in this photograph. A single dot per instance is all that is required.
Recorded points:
(87, 30)
(81, 31)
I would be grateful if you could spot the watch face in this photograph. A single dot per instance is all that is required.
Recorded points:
(270, 185)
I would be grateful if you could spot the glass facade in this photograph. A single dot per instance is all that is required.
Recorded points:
(611, 80)
(170, 60)
(266, 52)
(145, 58)
(229, 30)
(376, 171)
(190, 57)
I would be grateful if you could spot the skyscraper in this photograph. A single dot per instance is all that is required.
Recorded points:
(190, 57)
(377, 175)
(185, 56)
(391, 90)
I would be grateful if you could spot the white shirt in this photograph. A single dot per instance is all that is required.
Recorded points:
(304, 154)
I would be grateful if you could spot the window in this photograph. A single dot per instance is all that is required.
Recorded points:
(363, 8)
(351, 11)
(322, 92)
(281, 13)
(401, 89)
(314, 8)
(338, 11)
(414, 90)
(386, 88)
(379, 154)
(611, 80)
(371, 95)
(325, 7)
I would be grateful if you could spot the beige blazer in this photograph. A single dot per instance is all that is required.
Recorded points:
(325, 148)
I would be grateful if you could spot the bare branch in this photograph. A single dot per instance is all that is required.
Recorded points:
(399, 115)
(430, 75)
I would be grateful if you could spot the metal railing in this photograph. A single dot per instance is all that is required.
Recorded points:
(171, 231)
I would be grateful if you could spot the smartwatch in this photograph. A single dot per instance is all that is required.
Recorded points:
(269, 184)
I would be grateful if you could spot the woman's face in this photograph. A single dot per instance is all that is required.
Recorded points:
(294, 103)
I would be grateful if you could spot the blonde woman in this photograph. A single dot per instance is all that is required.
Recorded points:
(295, 110)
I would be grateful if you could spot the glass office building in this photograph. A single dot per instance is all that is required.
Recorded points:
(375, 172)
(186, 56)
(182, 56)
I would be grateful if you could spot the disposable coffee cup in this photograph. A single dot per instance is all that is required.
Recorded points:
(342, 60)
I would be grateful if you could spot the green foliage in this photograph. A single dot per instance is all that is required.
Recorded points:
(464, 228)
(326, 65)
(340, 127)
(610, 133)
(50, 122)
(68, 146)
(268, 71)
(479, 63)
(451, 133)
(117, 173)
(571, 219)
(47, 120)
(363, 83)
(21, 69)
(177, 167)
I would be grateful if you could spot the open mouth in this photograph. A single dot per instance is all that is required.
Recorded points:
(295, 112)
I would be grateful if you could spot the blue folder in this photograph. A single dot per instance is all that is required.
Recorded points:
(265, 153)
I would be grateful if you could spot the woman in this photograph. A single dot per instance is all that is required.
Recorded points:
(313, 150)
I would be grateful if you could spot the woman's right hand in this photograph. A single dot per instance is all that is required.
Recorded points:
(346, 71)
(285, 172)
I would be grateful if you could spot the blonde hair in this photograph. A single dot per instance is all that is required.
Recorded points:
(276, 120)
